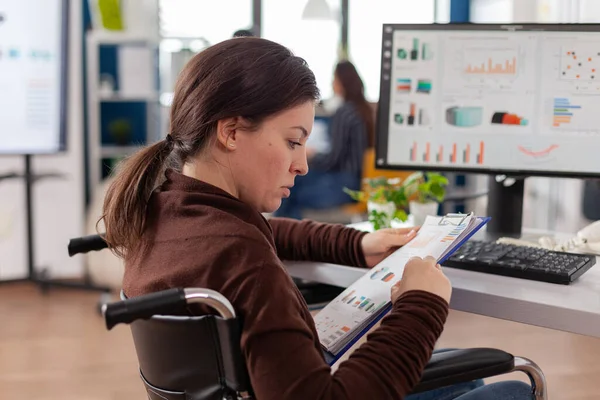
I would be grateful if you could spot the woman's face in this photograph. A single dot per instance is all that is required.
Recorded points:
(266, 162)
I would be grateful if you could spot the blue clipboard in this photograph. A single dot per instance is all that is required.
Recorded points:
(331, 358)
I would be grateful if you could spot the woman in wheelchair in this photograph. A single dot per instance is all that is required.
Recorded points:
(187, 212)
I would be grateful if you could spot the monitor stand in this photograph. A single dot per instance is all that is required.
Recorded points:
(505, 205)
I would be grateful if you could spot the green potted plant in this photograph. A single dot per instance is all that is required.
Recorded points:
(385, 198)
(425, 191)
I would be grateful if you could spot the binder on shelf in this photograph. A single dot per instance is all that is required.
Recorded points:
(357, 309)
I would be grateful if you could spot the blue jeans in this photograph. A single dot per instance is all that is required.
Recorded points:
(318, 190)
(507, 390)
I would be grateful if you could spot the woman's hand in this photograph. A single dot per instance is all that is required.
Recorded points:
(423, 274)
(379, 244)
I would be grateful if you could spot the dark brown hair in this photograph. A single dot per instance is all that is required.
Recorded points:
(354, 89)
(245, 77)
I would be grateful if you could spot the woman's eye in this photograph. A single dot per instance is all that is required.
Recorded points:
(294, 144)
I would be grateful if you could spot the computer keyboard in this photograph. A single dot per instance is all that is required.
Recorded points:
(520, 262)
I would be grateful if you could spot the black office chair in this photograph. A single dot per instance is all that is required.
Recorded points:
(199, 357)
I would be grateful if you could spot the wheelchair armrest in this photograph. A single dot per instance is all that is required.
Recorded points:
(458, 366)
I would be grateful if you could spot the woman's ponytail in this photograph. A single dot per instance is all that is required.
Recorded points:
(124, 211)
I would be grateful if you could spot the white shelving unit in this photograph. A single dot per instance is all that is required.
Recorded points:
(96, 97)
(174, 53)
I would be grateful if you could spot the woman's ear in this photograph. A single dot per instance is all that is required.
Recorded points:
(226, 132)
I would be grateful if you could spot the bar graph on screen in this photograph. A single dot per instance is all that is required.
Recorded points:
(413, 152)
(427, 154)
(480, 154)
(455, 153)
(440, 155)
(492, 67)
(486, 61)
(574, 114)
(563, 111)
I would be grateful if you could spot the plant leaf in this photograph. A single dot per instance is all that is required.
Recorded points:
(438, 191)
(414, 177)
(437, 178)
(355, 194)
(401, 215)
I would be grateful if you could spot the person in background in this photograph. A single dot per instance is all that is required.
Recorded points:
(186, 211)
(348, 85)
(351, 131)
(243, 33)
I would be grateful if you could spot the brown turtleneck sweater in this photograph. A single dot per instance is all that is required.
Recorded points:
(203, 237)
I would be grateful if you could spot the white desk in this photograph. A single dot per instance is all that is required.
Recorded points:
(574, 308)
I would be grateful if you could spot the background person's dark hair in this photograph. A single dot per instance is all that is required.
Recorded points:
(243, 33)
(251, 78)
(354, 93)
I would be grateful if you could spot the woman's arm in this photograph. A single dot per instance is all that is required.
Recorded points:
(337, 244)
(285, 362)
(313, 241)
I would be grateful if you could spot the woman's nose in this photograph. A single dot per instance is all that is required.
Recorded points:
(300, 166)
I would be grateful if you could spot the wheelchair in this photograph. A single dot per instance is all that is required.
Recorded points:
(199, 357)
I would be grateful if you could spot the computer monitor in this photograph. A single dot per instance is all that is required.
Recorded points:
(511, 99)
(33, 76)
(319, 139)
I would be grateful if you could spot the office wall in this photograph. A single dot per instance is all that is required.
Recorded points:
(499, 11)
(58, 203)
(589, 11)
(442, 11)
(491, 10)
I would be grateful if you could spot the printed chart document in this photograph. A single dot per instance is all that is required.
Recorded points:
(367, 300)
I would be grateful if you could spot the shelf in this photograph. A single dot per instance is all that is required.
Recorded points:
(123, 37)
(138, 102)
(115, 97)
(118, 151)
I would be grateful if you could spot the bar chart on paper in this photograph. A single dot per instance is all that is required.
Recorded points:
(456, 153)
(363, 302)
(452, 235)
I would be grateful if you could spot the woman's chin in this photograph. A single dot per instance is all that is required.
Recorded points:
(272, 206)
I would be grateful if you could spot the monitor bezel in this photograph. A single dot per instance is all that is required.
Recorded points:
(63, 91)
(382, 120)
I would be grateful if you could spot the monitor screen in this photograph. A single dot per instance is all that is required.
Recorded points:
(508, 99)
(319, 139)
(33, 36)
